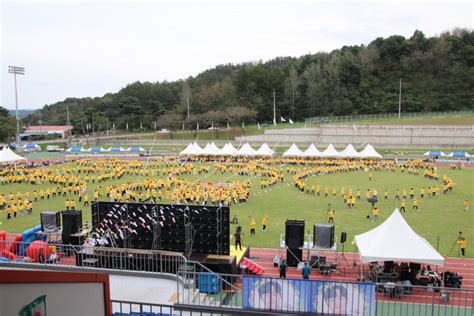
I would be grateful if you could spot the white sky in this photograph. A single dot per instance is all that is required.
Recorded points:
(79, 49)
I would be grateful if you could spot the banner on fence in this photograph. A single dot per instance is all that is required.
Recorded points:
(296, 295)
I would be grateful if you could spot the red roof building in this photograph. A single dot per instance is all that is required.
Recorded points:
(63, 130)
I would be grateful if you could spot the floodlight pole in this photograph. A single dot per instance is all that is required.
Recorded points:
(17, 71)
(400, 100)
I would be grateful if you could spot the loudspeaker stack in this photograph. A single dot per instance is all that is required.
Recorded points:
(323, 235)
(72, 223)
(294, 239)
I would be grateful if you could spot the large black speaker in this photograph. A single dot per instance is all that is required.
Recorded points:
(50, 221)
(72, 223)
(294, 233)
(323, 235)
(294, 256)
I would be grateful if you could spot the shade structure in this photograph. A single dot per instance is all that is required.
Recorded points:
(211, 149)
(246, 150)
(369, 152)
(312, 151)
(31, 147)
(7, 155)
(395, 240)
(114, 149)
(330, 152)
(458, 154)
(96, 149)
(228, 150)
(434, 153)
(188, 150)
(349, 152)
(264, 150)
(75, 150)
(293, 151)
(135, 149)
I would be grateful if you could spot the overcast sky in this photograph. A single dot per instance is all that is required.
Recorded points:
(79, 49)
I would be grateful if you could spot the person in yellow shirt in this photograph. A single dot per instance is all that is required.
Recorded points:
(375, 213)
(66, 204)
(385, 194)
(86, 200)
(402, 206)
(72, 204)
(253, 226)
(462, 243)
(415, 204)
(331, 214)
(466, 205)
(422, 193)
(264, 223)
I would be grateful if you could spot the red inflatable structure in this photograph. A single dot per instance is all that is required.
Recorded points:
(38, 251)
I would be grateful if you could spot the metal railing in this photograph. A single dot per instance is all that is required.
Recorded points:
(389, 298)
(382, 116)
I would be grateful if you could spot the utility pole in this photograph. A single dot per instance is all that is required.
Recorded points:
(17, 71)
(400, 100)
(274, 108)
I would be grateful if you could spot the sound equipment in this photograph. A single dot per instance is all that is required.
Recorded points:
(179, 228)
(50, 222)
(294, 256)
(323, 235)
(72, 223)
(294, 234)
(343, 237)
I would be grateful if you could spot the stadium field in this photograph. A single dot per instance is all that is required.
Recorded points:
(439, 219)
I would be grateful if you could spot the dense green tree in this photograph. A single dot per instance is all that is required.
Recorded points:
(7, 125)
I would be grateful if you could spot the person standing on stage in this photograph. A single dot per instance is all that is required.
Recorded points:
(331, 214)
(282, 267)
(238, 238)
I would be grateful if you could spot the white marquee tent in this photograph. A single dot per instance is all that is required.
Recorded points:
(330, 152)
(211, 149)
(264, 150)
(7, 155)
(349, 152)
(395, 240)
(369, 152)
(246, 150)
(293, 151)
(228, 150)
(312, 151)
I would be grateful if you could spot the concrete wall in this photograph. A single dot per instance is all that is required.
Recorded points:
(388, 136)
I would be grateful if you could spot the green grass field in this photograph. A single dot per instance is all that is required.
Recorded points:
(440, 218)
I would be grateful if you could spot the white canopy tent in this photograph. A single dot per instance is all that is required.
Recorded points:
(349, 152)
(434, 153)
(228, 150)
(7, 155)
(312, 151)
(246, 150)
(264, 150)
(330, 152)
(188, 150)
(395, 240)
(369, 152)
(293, 151)
(211, 149)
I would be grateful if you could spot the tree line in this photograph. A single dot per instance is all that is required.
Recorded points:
(437, 75)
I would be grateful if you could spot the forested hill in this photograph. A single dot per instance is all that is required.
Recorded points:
(437, 75)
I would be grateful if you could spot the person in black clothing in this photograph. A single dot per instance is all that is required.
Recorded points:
(238, 238)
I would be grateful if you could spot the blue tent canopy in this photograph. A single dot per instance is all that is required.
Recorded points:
(136, 149)
(459, 154)
(96, 149)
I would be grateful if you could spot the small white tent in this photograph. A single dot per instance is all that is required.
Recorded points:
(228, 150)
(369, 152)
(312, 151)
(330, 152)
(395, 240)
(7, 155)
(31, 147)
(349, 152)
(264, 150)
(246, 150)
(188, 150)
(211, 149)
(293, 151)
